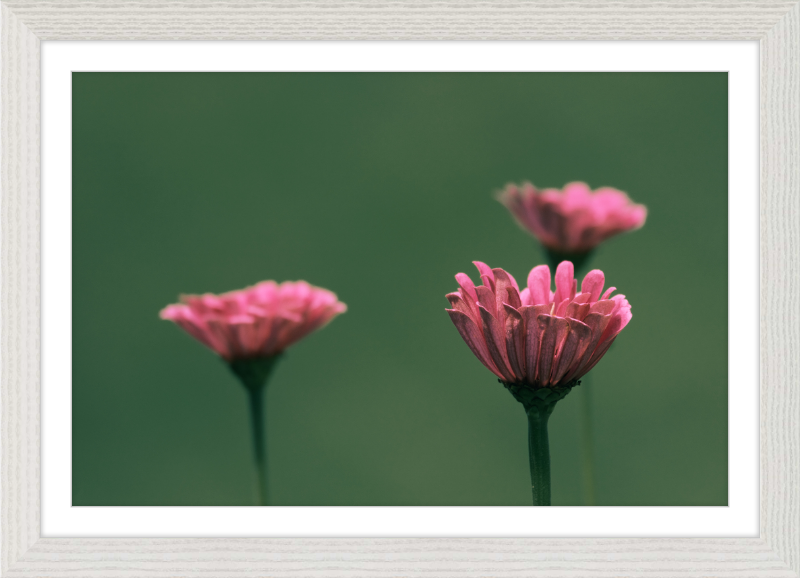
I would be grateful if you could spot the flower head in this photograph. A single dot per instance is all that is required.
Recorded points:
(256, 322)
(538, 337)
(573, 221)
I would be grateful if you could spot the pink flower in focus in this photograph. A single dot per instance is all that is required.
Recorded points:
(573, 221)
(256, 322)
(534, 336)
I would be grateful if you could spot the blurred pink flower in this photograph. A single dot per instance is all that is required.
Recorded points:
(573, 221)
(256, 322)
(534, 336)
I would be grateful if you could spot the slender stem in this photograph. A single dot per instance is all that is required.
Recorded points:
(539, 405)
(587, 442)
(256, 399)
(254, 373)
(539, 453)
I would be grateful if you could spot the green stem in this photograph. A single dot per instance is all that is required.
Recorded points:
(539, 453)
(587, 442)
(254, 373)
(539, 404)
(255, 397)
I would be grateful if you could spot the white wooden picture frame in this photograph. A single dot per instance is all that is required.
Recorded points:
(775, 24)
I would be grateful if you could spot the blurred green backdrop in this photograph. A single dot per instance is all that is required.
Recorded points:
(379, 187)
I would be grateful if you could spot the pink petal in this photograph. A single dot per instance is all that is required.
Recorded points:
(636, 217)
(597, 323)
(575, 219)
(459, 304)
(487, 299)
(257, 321)
(574, 346)
(222, 337)
(244, 339)
(608, 292)
(566, 354)
(484, 270)
(525, 296)
(553, 330)
(502, 284)
(532, 341)
(561, 309)
(542, 337)
(618, 322)
(616, 325)
(473, 337)
(276, 340)
(585, 335)
(565, 273)
(582, 298)
(598, 355)
(577, 310)
(576, 195)
(513, 298)
(515, 342)
(494, 334)
(539, 284)
(593, 284)
(603, 307)
(173, 312)
(467, 286)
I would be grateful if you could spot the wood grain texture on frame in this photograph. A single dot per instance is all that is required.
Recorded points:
(27, 22)
(399, 20)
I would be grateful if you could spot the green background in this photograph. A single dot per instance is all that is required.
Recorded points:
(379, 187)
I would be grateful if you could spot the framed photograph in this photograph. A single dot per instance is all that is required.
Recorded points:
(476, 302)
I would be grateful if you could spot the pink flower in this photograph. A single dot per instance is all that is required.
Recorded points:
(534, 336)
(256, 322)
(573, 221)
